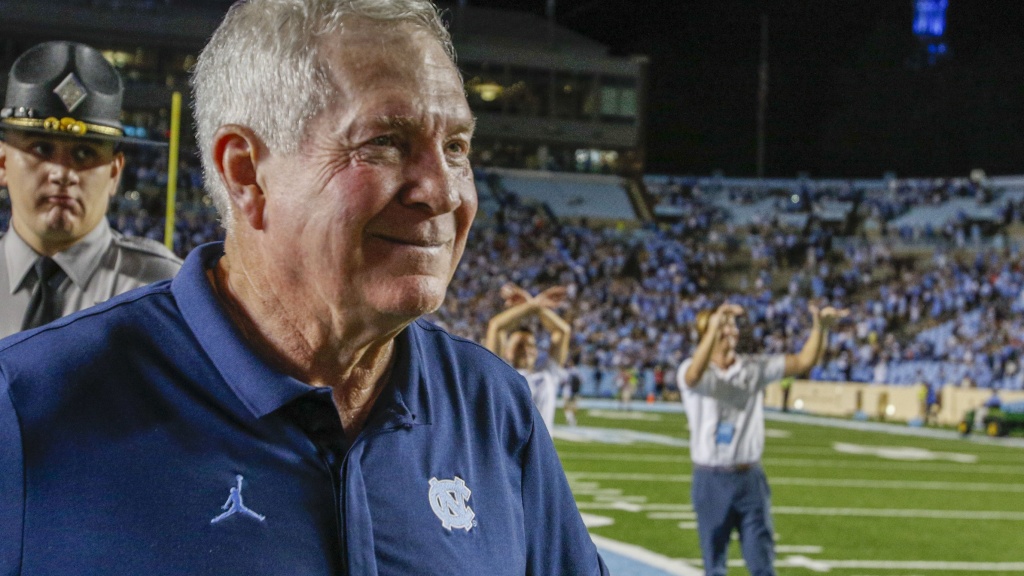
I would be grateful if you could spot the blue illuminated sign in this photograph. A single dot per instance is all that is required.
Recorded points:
(930, 17)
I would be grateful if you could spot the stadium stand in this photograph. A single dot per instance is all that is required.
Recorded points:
(946, 316)
(569, 195)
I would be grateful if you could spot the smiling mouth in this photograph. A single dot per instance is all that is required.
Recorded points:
(414, 242)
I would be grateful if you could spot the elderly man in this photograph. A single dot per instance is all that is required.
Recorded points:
(60, 162)
(279, 408)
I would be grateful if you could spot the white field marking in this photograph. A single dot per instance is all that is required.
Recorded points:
(629, 499)
(687, 525)
(926, 565)
(672, 515)
(938, 467)
(773, 433)
(685, 512)
(901, 485)
(804, 562)
(805, 450)
(586, 434)
(625, 457)
(669, 507)
(620, 415)
(597, 492)
(626, 506)
(595, 521)
(903, 453)
(917, 565)
(1009, 456)
(793, 549)
(676, 508)
(644, 556)
(628, 477)
(899, 513)
(814, 482)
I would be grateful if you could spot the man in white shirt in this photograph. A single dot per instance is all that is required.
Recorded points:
(723, 393)
(510, 339)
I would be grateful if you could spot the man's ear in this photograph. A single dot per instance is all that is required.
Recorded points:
(116, 170)
(3, 163)
(236, 152)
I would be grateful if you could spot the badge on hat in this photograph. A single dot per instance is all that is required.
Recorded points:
(71, 92)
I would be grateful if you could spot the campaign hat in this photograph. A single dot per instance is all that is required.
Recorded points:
(65, 89)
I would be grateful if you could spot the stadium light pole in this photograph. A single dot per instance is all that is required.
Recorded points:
(762, 95)
(551, 22)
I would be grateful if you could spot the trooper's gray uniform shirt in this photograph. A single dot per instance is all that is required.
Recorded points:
(102, 265)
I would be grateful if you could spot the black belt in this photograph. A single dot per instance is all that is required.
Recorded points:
(732, 469)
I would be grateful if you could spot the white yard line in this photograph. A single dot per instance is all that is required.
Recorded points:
(685, 511)
(884, 427)
(899, 513)
(820, 565)
(814, 482)
(940, 467)
(925, 565)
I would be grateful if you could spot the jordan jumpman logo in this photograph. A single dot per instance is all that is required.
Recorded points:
(234, 504)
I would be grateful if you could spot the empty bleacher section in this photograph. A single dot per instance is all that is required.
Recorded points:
(599, 198)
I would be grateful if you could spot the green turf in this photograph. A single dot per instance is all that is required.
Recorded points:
(847, 504)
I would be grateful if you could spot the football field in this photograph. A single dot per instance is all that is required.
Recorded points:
(848, 498)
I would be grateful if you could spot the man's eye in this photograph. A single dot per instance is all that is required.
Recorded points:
(44, 149)
(386, 140)
(84, 153)
(458, 147)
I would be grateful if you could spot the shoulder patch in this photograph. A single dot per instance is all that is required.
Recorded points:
(145, 245)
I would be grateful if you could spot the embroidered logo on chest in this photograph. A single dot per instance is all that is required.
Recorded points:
(449, 501)
(235, 505)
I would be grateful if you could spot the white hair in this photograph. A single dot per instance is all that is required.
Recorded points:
(262, 69)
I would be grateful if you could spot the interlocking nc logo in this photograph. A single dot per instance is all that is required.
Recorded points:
(448, 501)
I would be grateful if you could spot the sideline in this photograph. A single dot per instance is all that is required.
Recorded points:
(804, 418)
(622, 559)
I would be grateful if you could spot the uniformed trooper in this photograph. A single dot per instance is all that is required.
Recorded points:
(60, 161)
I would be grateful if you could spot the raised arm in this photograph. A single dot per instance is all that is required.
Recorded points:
(822, 321)
(560, 334)
(521, 305)
(498, 327)
(702, 355)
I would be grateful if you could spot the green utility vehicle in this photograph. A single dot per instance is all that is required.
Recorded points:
(996, 421)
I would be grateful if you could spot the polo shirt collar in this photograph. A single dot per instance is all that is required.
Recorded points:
(260, 387)
(79, 261)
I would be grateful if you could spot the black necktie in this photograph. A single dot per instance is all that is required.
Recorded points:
(44, 306)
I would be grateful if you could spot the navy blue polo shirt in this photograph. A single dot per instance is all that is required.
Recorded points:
(143, 436)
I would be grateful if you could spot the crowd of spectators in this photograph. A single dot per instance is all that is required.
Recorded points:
(634, 293)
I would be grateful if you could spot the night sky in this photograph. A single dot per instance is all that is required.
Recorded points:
(849, 95)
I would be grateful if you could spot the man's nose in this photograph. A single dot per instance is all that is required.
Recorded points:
(62, 172)
(430, 181)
